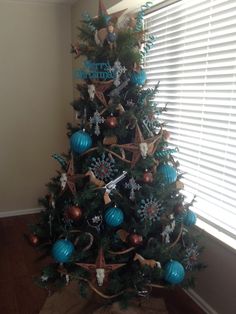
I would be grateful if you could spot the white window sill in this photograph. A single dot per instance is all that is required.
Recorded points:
(223, 238)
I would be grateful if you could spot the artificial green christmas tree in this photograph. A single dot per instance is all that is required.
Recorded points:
(115, 219)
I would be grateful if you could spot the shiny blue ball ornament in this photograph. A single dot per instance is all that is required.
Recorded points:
(138, 78)
(80, 141)
(114, 217)
(174, 272)
(62, 250)
(167, 173)
(190, 218)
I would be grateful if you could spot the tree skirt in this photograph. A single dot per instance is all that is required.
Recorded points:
(68, 301)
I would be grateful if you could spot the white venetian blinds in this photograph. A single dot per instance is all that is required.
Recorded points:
(194, 59)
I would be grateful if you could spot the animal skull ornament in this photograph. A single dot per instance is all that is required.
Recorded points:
(91, 91)
(100, 275)
(63, 180)
(143, 149)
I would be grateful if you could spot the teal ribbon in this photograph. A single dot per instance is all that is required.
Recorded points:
(61, 160)
(140, 16)
(166, 152)
(148, 45)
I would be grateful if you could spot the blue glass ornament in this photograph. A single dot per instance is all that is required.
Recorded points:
(62, 250)
(138, 78)
(80, 141)
(174, 272)
(114, 217)
(167, 173)
(190, 218)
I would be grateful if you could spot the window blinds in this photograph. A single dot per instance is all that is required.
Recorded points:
(194, 59)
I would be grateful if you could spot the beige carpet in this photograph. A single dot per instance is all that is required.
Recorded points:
(68, 301)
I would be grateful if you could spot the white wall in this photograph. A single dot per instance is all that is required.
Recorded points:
(35, 92)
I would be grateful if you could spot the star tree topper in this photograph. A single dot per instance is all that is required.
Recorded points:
(100, 270)
(113, 17)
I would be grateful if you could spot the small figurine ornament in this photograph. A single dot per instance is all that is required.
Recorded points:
(147, 262)
(111, 36)
(167, 230)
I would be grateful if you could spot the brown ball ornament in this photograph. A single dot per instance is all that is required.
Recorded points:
(112, 122)
(135, 239)
(179, 209)
(147, 177)
(74, 213)
(33, 239)
(166, 135)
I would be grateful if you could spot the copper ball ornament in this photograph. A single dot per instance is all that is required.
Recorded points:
(74, 213)
(166, 135)
(112, 122)
(135, 239)
(179, 209)
(33, 239)
(147, 177)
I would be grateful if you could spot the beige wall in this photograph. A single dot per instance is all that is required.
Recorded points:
(217, 284)
(35, 92)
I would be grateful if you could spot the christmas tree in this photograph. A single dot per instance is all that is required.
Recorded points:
(115, 219)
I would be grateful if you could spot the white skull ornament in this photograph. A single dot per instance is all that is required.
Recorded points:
(100, 275)
(63, 180)
(143, 149)
(91, 91)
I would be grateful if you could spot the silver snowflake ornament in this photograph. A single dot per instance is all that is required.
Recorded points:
(149, 124)
(132, 186)
(150, 209)
(96, 120)
(103, 168)
(190, 259)
(130, 103)
(117, 71)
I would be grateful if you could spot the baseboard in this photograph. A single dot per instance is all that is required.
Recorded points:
(19, 212)
(202, 303)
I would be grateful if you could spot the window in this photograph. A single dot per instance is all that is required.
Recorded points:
(194, 59)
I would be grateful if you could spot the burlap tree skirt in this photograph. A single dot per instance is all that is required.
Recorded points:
(68, 301)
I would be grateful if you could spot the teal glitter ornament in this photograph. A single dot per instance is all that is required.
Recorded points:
(138, 78)
(62, 250)
(167, 173)
(174, 272)
(80, 141)
(114, 217)
(190, 218)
